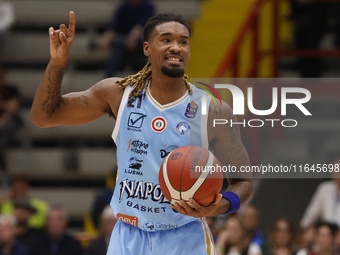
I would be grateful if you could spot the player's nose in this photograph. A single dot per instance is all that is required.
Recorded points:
(175, 47)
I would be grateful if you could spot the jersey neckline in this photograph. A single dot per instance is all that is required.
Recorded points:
(169, 105)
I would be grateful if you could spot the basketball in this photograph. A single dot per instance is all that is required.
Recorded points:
(190, 172)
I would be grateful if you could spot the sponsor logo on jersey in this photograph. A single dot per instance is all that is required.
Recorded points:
(138, 147)
(141, 190)
(191, 110)
(183, 128)
(135, 121)
(150, 226)
(176, 156)
(134, 165)
(132, 220)
(169, 149)
(158, 124)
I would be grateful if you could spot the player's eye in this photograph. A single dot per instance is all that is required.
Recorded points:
(184, 42)
(166, 40)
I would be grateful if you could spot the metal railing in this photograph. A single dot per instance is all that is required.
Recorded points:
(231, 62)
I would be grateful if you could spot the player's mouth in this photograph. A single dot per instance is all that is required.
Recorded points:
(174, 60)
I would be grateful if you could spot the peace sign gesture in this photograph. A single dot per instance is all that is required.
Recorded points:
(61, 40)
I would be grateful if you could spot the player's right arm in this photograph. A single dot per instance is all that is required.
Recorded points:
(50, 108)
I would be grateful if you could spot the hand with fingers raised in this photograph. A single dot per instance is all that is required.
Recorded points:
(61, 40)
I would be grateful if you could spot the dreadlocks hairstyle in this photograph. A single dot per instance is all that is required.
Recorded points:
(142, 79)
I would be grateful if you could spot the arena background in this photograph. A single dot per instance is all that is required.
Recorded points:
(69, 165)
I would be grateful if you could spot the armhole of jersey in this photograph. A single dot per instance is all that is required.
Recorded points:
(204, 123)
(120, 111)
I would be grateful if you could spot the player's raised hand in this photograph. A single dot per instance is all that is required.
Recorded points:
(61, 40)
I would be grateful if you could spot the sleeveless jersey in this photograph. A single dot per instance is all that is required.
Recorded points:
(145, 132)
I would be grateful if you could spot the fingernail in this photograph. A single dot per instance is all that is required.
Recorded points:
(51, 30)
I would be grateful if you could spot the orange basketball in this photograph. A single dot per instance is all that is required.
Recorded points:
(191, 172)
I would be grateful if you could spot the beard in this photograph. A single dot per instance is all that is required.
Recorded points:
(172, 72)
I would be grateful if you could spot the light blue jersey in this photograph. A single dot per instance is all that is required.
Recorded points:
(192, 238)
(144, 134)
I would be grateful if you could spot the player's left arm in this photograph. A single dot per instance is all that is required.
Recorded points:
(228, 148)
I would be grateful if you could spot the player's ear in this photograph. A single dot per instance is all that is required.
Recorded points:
(146, 49)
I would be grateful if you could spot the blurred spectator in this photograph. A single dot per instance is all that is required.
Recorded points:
(337, 242)
(103, 198)
(325, 203)
(309, 19)
(55, 241)
(124, 35)
(281, 238)
(20, 190)
(100, 245)
(324, 242)
(250, 218)
(335, 7)
(25, 234)
(232, 239)
(9, 119)
(7, 18)
(8, 242)
(308, 237)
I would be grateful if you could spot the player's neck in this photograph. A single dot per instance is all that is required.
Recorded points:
(166, 90)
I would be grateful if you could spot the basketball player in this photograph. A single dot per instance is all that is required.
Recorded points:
(154, 110)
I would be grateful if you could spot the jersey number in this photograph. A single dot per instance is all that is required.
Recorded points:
(140, 99)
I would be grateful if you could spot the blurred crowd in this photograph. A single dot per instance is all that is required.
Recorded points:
(9, 95)
(29, 226)
(32, 226)
(239, 234)
(317, 233)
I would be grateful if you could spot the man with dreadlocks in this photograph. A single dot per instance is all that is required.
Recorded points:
(152, 118)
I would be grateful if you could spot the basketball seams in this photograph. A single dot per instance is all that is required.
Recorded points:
(172, 190)
(182, 170)
(177, 173)
(218, 188)
(202, 178)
